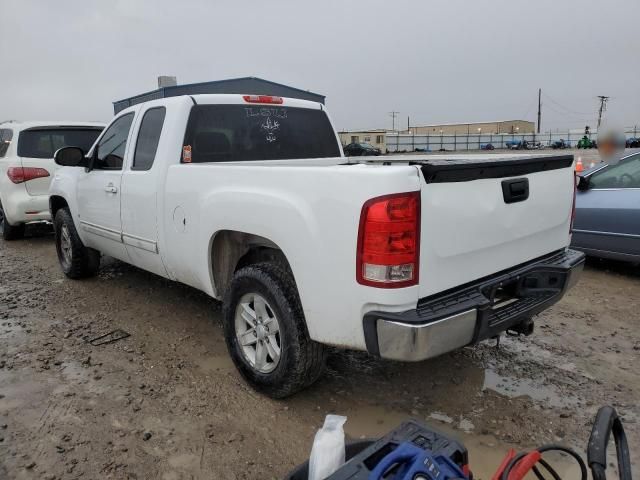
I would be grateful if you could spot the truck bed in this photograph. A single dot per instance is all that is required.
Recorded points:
(463, 168)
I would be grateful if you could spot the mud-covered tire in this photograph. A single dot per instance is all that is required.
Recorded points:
(10, 232)
(76, 260)
(301, 360)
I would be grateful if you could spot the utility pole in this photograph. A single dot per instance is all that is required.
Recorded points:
(393, 120)
(539, 107)
(603, 107)
(408, 124)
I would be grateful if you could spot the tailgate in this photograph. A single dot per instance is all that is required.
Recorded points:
(483, 216)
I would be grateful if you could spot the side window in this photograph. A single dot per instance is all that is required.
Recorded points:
(148, 138)
(5, 140)
(111, 147)
(625, 174)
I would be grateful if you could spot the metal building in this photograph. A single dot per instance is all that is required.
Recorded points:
(244, 85)
(498, 126)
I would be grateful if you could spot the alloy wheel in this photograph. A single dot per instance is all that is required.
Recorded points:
(258, 333)
(65, 246)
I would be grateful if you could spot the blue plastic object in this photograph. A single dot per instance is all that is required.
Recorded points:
(415, 463)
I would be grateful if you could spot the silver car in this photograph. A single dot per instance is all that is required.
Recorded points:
(607, 221)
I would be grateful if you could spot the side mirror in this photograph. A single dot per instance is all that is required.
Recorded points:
(583, 184)
(70, 157)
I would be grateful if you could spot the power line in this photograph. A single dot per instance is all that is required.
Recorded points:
(565, 108)
(581, 118)
(533, 102)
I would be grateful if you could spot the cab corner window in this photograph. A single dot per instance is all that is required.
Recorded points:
(148, 138)
(112, 145)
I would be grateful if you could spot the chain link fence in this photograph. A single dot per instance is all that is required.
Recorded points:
(406, 142)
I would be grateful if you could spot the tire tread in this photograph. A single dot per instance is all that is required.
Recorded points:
(309, 357)
(85, 261)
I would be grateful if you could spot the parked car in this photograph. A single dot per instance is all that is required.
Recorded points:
(633, 142)
(560, 144)
(361, 149)
(487, 146)
(398, 256)
(27, 166)
(607, 221)
(524, 145)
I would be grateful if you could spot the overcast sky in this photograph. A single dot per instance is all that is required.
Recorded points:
(435, 61)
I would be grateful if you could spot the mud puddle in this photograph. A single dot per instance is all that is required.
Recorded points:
(512, 387)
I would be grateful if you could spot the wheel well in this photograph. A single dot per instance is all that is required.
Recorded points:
(233, 250)
(55, 204)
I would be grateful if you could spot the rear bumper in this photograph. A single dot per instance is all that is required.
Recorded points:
(20, 207)
(473, 312)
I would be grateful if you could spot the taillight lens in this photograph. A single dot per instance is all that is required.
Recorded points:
(24, 174)
(263, 99)
(389, 241)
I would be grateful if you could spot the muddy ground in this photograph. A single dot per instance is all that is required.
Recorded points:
(167, 403)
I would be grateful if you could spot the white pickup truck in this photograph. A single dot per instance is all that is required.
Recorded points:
(249, 199)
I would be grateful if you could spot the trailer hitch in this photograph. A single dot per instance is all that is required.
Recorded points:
(523, 328)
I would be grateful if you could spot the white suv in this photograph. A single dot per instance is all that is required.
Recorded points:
(27, 166)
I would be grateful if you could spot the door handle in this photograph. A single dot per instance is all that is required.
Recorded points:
(111, 189)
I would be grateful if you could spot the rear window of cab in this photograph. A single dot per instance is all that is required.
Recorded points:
(226, 133)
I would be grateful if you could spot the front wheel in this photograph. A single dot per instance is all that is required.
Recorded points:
(76, 260)
(266, 334)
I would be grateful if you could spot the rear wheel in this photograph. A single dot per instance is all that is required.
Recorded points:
(76, 260)
(10, 232)
(266, 334)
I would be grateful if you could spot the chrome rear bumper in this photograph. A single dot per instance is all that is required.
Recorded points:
(473, 312)
(402, 341)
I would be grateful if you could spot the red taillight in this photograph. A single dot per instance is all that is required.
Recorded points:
(573, 206)
(24, 174)
(389, 241)
(262, 99)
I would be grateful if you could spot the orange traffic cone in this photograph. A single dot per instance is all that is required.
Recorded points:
(579, 166)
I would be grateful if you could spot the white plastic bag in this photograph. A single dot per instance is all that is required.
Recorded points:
(327, 453)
